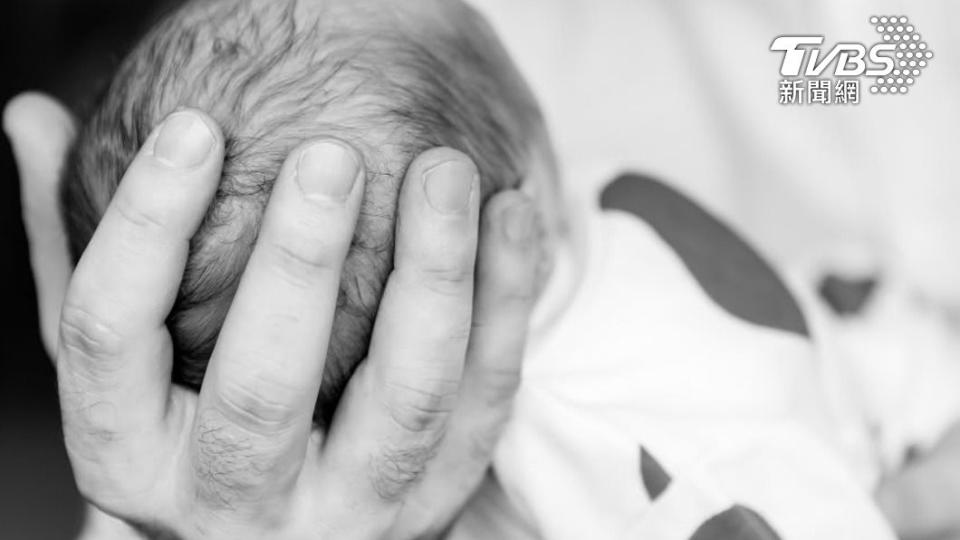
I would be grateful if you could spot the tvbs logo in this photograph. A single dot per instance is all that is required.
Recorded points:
(848, 59)
(894, 63)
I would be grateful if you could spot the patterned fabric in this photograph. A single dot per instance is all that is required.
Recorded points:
(729, 270)
(677, 397)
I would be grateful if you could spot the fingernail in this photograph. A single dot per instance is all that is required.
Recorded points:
(327, 169)
(184, 141)
(448, 186)
(518, 223)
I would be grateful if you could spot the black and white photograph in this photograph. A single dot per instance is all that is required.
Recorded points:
(480, 270)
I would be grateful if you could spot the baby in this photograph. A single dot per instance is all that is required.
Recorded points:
(392, 79)
(649, 409)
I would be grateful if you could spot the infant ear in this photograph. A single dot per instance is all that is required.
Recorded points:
(41, 131)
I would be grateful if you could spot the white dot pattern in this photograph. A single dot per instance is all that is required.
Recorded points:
(911, 57)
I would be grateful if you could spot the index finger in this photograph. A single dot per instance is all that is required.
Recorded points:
(115, 352)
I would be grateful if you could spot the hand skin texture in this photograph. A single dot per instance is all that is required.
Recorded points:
(414, 434)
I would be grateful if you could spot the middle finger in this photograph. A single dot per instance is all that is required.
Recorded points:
(394, 411)
(254, 413)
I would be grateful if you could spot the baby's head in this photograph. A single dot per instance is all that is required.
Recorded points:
(391, 78)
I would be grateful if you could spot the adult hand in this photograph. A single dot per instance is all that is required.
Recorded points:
(922, 501)
(415, 430)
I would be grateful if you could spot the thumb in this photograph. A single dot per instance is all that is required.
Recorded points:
(98, 525)
(41, 131)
